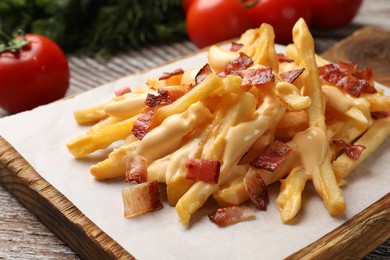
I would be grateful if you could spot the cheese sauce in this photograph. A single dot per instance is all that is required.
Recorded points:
(167, 137)
(128, 106)
(313, 147)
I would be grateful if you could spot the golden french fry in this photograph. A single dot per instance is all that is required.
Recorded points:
(260, 45)
(371, 139)
(199, 92)
(378, 102)
(290, 195)
(322, 172)
(100, 138)
(90, 115)
(193, 199)
(291, 95)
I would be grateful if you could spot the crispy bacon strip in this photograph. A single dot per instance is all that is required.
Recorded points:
(231, 215)
(272, 156)
(283, 58)
(379, 114)
(122, 91)
(241, 63)
(203, 73)
(236, 46)
(256, 189)
(291, 75)
(346, 77)
(350, 68)
(256, 77)
(170, 95)
(145, 118)
(203, 170)
(167, 75)
(136, 168)
(353, 151)
(141, 198)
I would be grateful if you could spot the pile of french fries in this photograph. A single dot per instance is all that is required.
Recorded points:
(219, 119)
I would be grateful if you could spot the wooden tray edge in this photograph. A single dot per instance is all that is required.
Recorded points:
(58, 213)
(358, 236)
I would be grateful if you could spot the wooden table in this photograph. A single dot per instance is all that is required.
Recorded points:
(23, 236)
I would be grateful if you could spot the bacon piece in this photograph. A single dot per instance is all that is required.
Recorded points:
(122, 91)
(256, 189)
(203, 73)
(353, 151)
(241, 63)
(379, 114)
(231, 215)
(203, 170)
(167, 75)
(272, 156)
(145, 118)
(291, 75)
(141, 198)
(346, 77)
(170, 95)
(283, 58)
(136, 168)
(236, 46)
(256, 77)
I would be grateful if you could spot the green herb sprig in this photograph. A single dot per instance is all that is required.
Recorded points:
(99, 27)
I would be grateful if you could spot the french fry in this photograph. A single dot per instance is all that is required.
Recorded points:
(290, 196)
(371, 139)
(260, 45)
(323, 177)
(90, 115)
(292, 96)
(100, 138)
(193, 199)
(177, 184)
(201, 91)
(378, 102)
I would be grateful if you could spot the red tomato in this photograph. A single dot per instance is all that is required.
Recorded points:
(35, 75)
(186, 5)
(281, 14)
(212, 21)
(333, 14)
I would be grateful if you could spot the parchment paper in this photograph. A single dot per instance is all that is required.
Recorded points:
(40, 136)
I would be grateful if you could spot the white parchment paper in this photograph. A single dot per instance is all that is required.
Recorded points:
(40, 136)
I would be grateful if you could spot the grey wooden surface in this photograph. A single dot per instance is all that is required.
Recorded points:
(23, 236)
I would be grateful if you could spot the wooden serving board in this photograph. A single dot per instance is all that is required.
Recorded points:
(357, 237)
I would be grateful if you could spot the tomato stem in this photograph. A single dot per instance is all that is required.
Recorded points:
(249, 3)
(9, 43)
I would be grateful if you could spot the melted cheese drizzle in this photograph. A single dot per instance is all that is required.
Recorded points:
(313, 147)
(126, 107)
(168, 136)
(242, 136)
